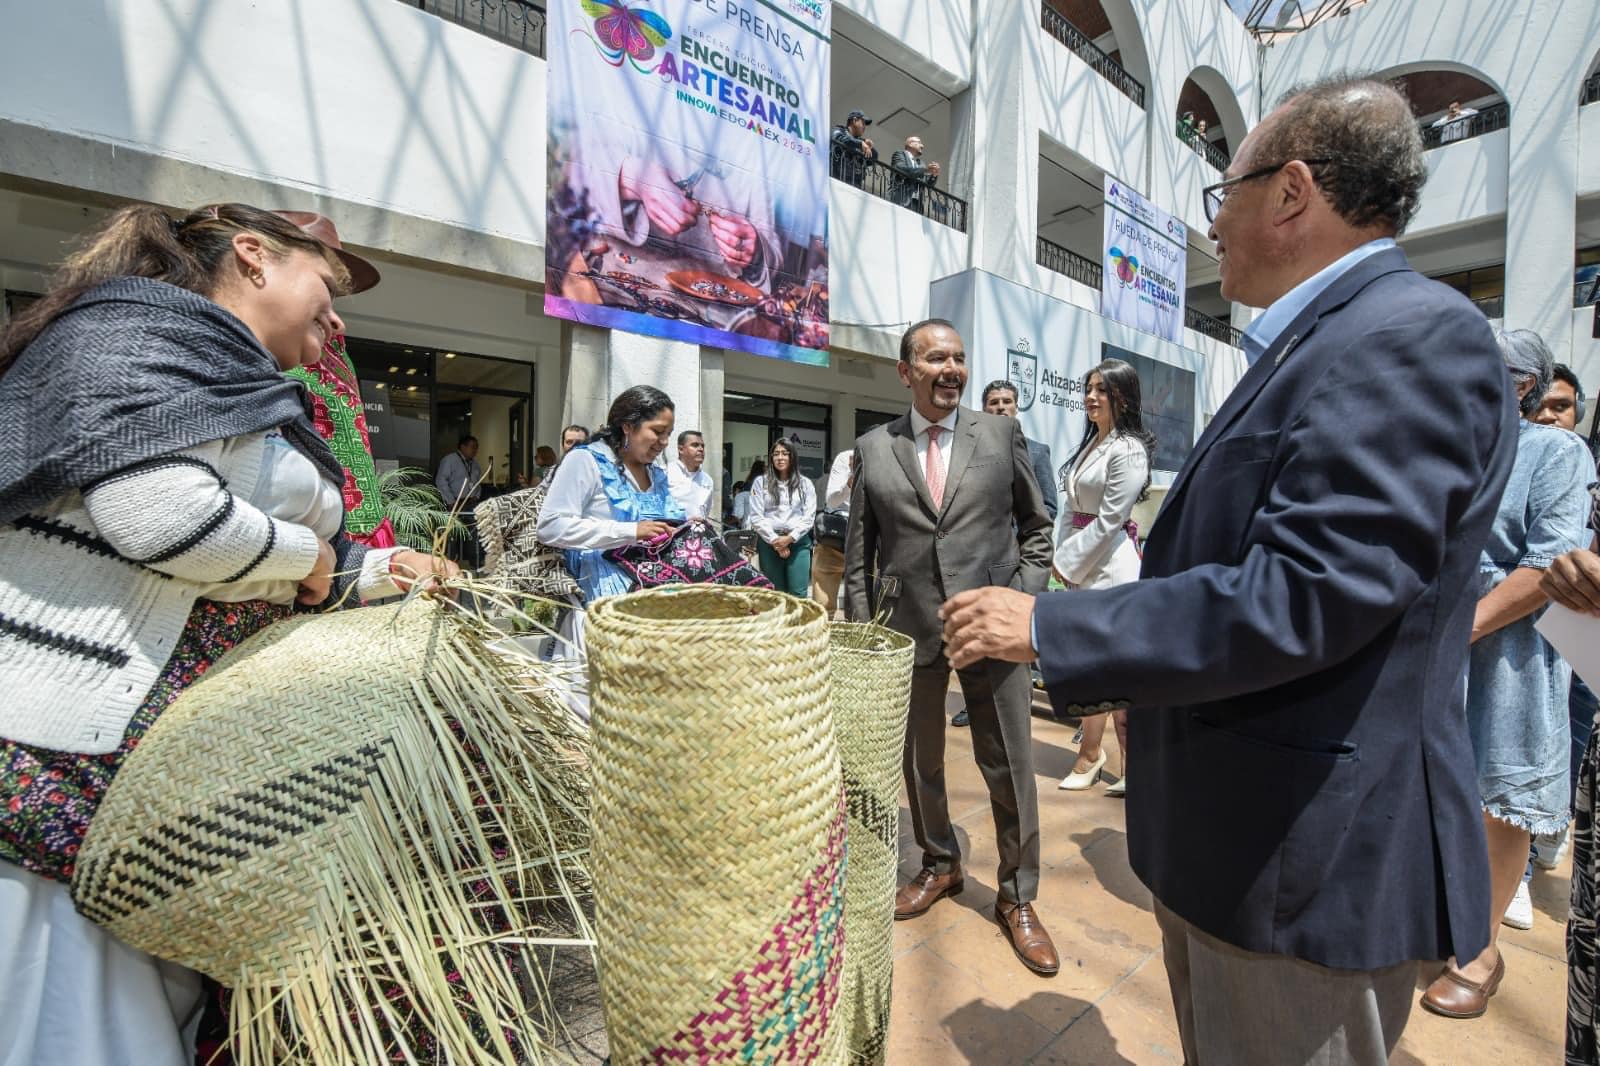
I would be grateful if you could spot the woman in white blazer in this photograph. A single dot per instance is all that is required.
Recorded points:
(1096, 541)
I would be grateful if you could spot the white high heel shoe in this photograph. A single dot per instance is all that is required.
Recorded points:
(1120, 787)
(1078, 782)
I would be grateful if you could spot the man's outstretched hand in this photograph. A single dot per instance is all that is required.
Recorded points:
(988, 623)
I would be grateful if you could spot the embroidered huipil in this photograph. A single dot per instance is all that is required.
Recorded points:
(594, 505)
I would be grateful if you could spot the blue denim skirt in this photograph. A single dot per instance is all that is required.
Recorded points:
(1517, 714)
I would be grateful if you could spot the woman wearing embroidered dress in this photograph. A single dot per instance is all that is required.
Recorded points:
(783, 505)
(1516, 682)
(1096, 541)
(610, 493)
(173, 499)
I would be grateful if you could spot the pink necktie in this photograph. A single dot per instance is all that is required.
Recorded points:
(934, 470)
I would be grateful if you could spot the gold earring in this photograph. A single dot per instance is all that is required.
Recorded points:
(257, 275)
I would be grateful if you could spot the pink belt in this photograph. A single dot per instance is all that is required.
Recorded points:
(1080, 520)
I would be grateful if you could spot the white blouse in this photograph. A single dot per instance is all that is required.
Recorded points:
(577, 511)
(290, 488)
(1106, 483)
(793, 514)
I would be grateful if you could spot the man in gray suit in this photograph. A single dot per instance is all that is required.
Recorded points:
(945, 500)
(912, 174)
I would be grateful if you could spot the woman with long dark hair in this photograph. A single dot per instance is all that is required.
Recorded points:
(172, 499)
(783, 504)
(610, 493)
(1097, 543)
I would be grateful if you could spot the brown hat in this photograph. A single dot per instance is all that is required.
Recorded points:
(363, 275)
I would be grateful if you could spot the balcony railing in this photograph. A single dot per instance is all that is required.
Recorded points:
(1052, 256)
(1202, 147)
(1215, 328)
(1080, 45)
(887, 183)
(1494, 117)
(1491, 306)
(514, 22)
(1591, 90)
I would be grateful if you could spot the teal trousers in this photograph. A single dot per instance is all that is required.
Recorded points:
(792, 575)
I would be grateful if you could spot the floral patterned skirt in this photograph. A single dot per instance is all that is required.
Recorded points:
(50, 796)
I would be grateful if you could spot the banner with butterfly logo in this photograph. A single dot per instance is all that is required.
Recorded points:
(688, 171)
(1145, 265)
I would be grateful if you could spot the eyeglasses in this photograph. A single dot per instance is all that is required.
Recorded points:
(1213, 195)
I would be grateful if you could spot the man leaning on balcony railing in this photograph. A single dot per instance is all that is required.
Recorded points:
(852, 149)
(912, 175)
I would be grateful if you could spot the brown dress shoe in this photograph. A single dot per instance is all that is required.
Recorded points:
(1453, 996)
(926, 889)
(1028, 938)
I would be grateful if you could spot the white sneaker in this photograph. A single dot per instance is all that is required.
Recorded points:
(1550, 849)
(1520, 914)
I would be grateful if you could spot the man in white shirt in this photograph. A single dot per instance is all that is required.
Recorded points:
(827, 560)
(691, 486)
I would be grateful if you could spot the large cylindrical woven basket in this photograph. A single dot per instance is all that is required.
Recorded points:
(871, 668)
(719, 827)
(361, 823)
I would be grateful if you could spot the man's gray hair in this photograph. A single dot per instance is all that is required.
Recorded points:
(1367, 130)
(1528, 356)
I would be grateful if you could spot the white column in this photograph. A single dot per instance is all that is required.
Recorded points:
(1541, 228)
(996, 142)
(548, 396)
(844, 423)
(710, 423)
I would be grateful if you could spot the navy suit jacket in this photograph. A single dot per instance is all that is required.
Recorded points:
(1303, 780)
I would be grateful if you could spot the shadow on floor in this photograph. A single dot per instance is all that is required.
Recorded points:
(1106, 852)
(972, 1027)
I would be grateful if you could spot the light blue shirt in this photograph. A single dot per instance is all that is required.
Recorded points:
(1285, 309)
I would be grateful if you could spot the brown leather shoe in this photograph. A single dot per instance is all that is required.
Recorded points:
(926, 889)
(1028, 938)
(1453, 996)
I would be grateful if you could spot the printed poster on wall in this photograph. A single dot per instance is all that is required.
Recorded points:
(811, 445)
(1145, 263)
(688, 171)
(1167, 394)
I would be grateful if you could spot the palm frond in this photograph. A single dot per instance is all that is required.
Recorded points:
(417, 512)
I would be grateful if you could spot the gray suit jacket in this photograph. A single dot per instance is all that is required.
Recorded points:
(911, 175)
(1044, 471)
(907, 557)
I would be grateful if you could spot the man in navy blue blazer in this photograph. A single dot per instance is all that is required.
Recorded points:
(1307, 815)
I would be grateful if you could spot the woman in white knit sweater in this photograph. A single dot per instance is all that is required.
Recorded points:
(164, 497)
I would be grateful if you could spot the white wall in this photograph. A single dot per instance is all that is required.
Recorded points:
(371, 101)
(1535, 52)
(881, 260)
(1589, 149)
(1466, 181)
(931, 36)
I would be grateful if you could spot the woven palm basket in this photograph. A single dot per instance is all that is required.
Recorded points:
(719, 827)
(871, 668)
(513, 556)
(369, 826)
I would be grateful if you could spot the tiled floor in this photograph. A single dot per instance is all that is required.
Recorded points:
(960, 996)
